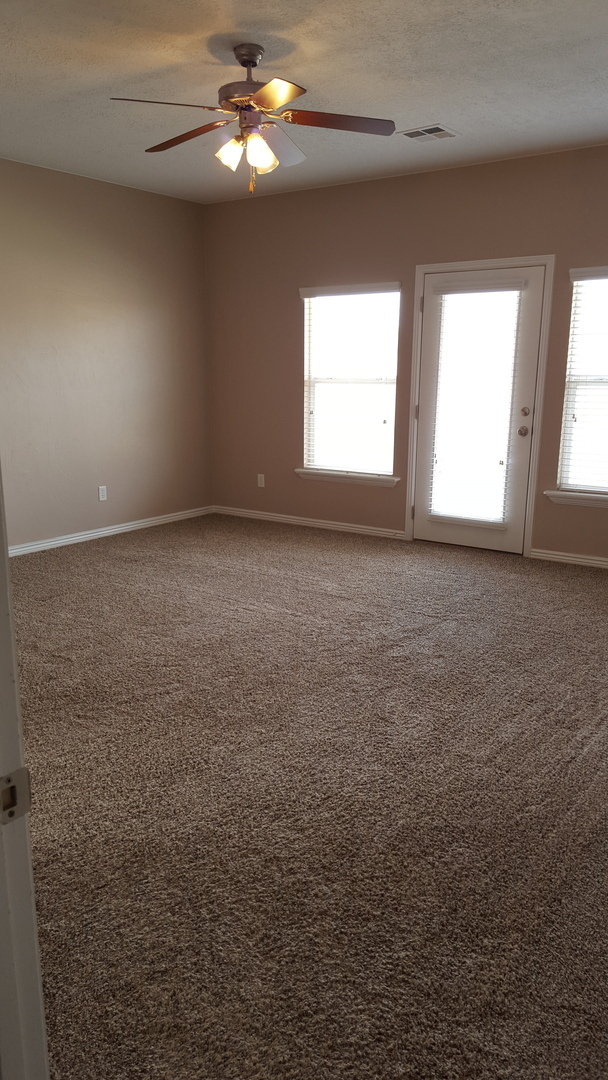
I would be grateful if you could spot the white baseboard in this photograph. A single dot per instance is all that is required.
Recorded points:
(261, 515)
(164, 519)
(313, 523)
(564, 556)
(108, 530)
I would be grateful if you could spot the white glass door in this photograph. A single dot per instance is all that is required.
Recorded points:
(480, 343)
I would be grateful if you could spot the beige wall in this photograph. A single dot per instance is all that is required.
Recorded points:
(103, 342)
(101, 354)
(262, 250)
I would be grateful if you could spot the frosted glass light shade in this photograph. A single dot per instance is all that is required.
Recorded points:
(267, 169)
(259, 153)
(231, 153)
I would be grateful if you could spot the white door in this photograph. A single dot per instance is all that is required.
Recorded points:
(23, 1053)
(478, 369)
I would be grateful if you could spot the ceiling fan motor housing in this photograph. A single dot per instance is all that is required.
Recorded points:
(234, 95)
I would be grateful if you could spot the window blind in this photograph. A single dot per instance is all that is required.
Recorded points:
(583, 463)
(350, 378)
(475, 381)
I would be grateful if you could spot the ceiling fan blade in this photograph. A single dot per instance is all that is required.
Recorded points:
(276, 93)
(367, 124)
(282, 145)
(183, 104)
(188, 135)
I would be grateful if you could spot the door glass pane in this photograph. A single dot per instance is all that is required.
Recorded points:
(477, 348)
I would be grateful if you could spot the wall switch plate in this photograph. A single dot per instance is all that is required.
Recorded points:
(103, 493)
(261, 481)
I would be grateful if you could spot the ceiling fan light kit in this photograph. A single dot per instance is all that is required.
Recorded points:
(254, 104)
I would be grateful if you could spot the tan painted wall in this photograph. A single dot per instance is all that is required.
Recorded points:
(102, 346)
(262, 250)
(101, 354)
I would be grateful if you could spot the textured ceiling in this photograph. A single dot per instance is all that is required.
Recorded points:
(512, 77)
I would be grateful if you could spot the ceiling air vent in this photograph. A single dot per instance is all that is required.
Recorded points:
(429, 134)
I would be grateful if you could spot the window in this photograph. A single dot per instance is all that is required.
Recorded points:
(583, 464)
(350, 376)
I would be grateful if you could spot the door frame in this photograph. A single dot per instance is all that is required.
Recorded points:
(548, 262)
(23, 1050)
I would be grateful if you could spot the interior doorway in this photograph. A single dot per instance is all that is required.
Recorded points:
(23, 1052)
(479, 352)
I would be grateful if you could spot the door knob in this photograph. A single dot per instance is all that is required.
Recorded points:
(522, 431)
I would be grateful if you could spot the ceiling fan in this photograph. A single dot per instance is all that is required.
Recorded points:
(255, 104)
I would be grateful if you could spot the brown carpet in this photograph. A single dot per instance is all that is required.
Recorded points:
(311, 805)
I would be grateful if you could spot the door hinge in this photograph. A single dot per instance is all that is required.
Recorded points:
(416, 412)
(15, 795)
(422, 303)
(412, 511)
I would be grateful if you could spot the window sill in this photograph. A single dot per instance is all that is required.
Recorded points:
(348, 477)
(578, 498)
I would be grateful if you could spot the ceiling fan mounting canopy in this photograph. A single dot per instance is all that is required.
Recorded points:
(248, 55)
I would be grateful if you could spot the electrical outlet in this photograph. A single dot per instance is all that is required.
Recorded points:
(103, 493)
(261, 481)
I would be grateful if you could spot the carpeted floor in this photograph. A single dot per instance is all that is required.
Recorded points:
(314, 806)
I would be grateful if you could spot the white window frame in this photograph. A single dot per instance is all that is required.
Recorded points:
(571, 495)
(341, 475)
